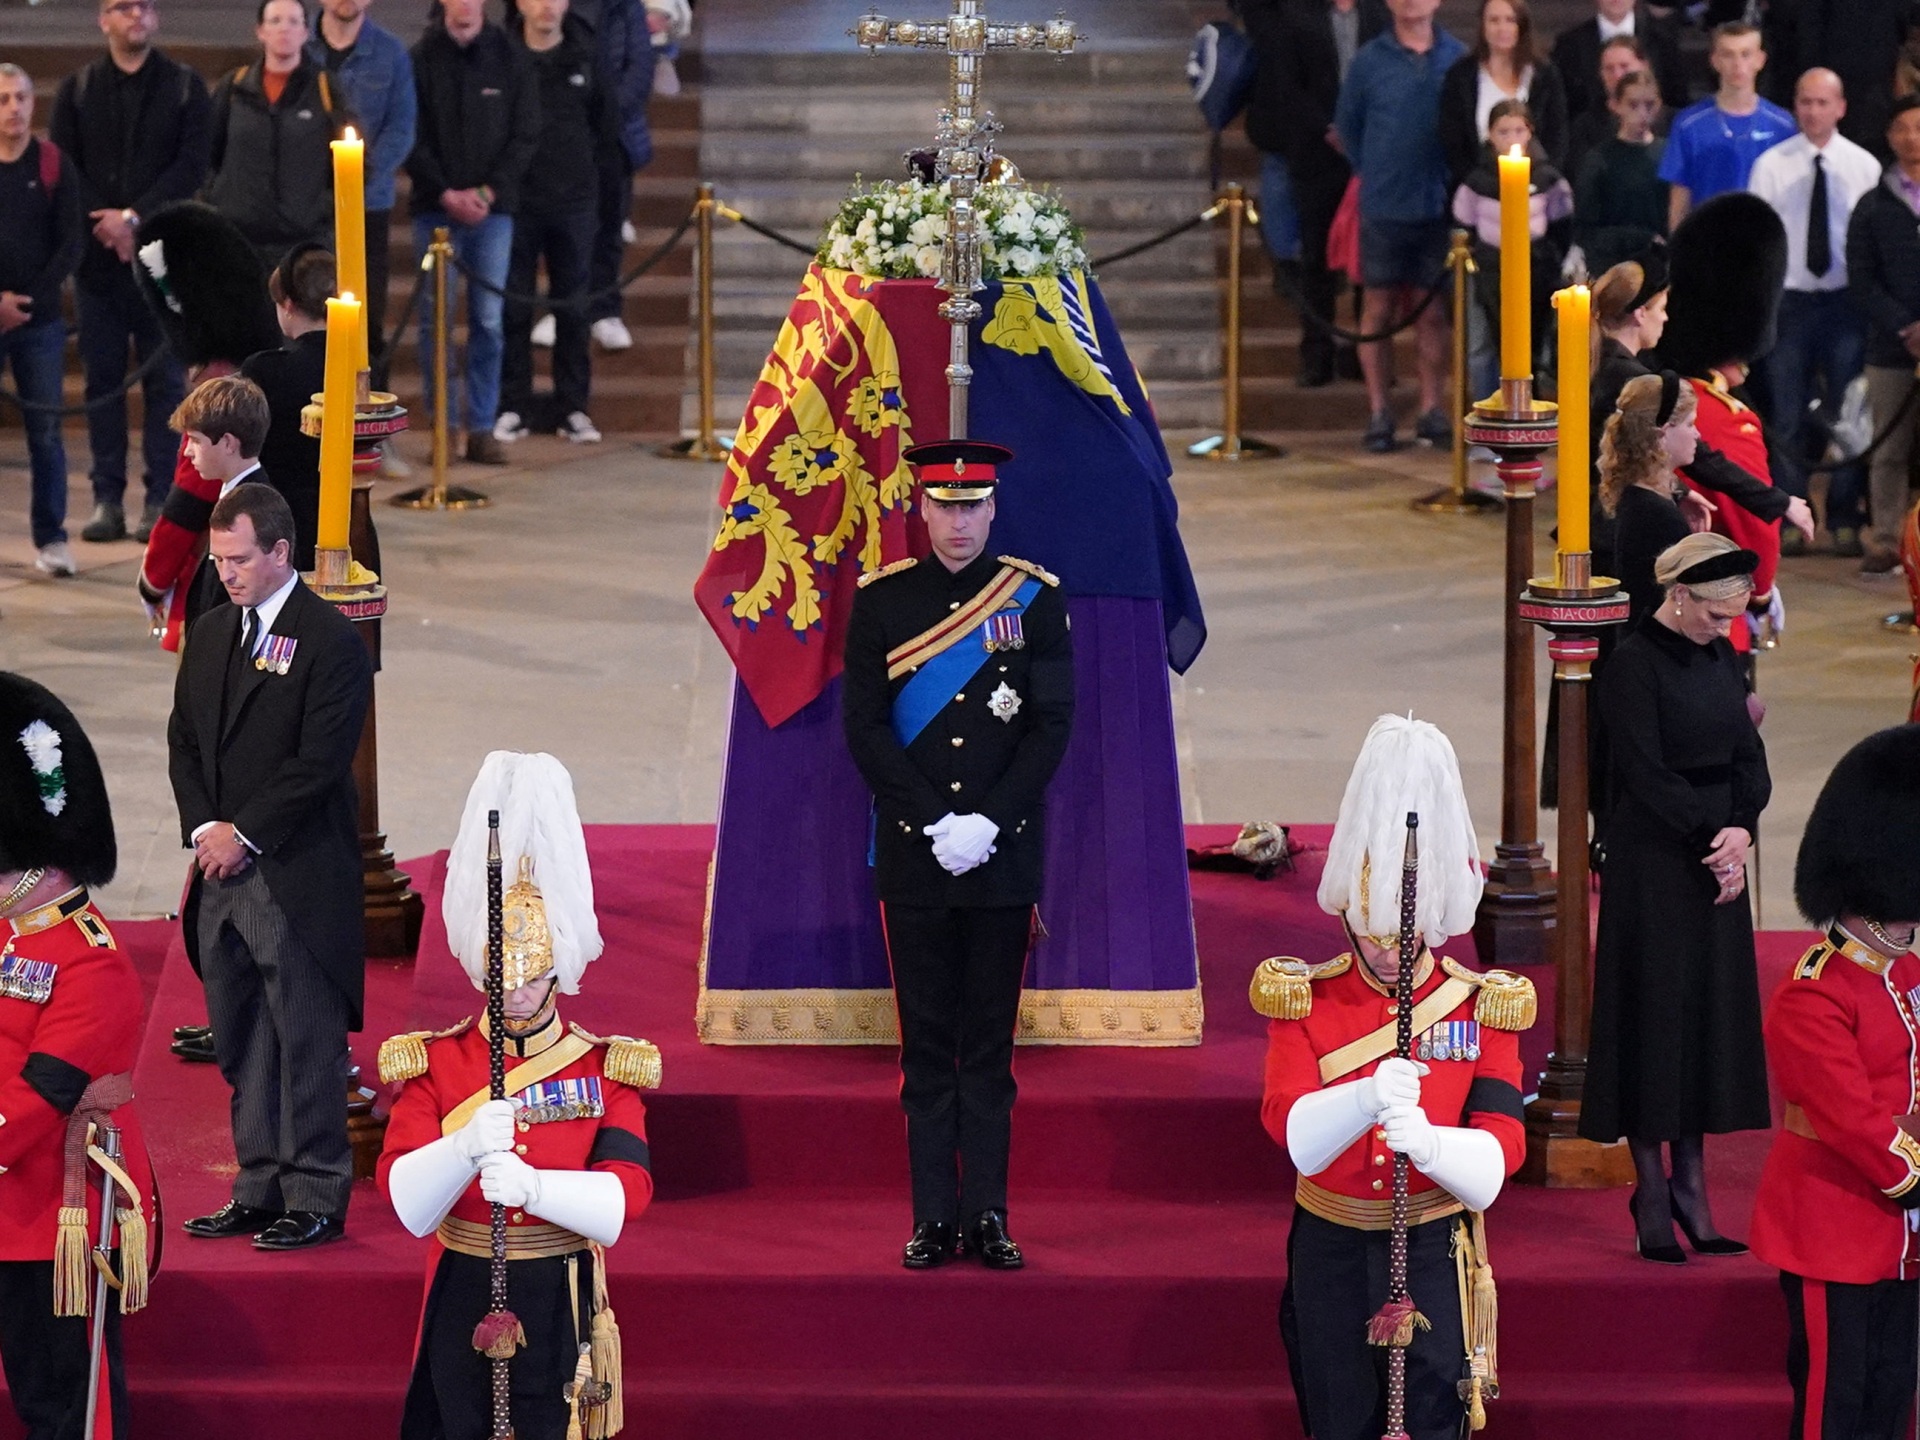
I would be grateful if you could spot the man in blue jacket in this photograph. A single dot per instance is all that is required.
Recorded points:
(373, 70)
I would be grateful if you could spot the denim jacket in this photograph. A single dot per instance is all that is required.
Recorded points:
(378, 80)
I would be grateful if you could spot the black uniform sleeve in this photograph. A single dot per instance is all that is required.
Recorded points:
(1018, 791)
(1714, 471)
(866, 714)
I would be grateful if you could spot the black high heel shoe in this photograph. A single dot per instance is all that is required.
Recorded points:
(1658, 1254)
(1717, 1245)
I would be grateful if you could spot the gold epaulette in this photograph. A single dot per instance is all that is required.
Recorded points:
(885, 570)
(1506, 1001)
(1813, 962)
(1282, 987)
(1032, 569)
(628, 1061)
(1717, 388)
(404, 1057)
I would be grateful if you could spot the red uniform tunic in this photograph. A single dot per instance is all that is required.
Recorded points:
(69, 1015)
(1841, 1042)
(1734, 430)
(1473, 1080)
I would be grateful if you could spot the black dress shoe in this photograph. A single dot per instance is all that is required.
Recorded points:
(198, 1049)
(1706, 1244)
(297, 1229)
(932, 1245)
(987, 1237)
(193, 1032)
(232, 1219)
(1658, 1254)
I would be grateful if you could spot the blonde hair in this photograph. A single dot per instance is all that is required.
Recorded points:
(1630, 448)
(1683, 555)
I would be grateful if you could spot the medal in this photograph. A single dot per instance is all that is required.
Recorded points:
(1003, 632)
(1004, 703)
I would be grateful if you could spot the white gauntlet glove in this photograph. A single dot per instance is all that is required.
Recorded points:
(1395, 1083)
(506, 1179)
(1467, 1163)
(490, 1130)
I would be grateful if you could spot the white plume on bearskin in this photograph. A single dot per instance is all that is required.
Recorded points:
(1405, 765)
(538, 818)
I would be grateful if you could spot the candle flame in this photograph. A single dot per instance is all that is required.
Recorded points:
(350, 135)
(1515, 152)
(347, 296)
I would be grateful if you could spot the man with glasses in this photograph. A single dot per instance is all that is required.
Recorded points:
(132, 127)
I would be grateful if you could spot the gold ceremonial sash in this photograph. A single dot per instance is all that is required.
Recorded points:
(923, 647)
(1358, 1214)
(1428, 1013)
(524, 1242)
(528, 1072)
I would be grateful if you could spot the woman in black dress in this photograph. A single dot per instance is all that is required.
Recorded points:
(1675, 1051)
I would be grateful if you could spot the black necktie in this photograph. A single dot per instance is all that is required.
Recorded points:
(246, 633)
(1819, 225)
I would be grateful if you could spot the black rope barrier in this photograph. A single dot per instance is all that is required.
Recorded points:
(1291, 289)
(1171, 233)
(582, 299)
(774, 235)
(41, 407)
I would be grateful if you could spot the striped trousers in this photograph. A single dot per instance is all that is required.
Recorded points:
(1850, 1356)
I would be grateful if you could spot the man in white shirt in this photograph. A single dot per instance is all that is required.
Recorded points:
(1813, 181)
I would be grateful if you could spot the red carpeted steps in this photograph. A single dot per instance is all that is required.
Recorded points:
(762, 1294)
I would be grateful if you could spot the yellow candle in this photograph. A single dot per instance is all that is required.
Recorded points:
(350, 222)
(336, 422)
(1516, 267)
(1574, 304)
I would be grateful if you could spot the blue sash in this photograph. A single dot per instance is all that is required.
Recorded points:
(937, 681)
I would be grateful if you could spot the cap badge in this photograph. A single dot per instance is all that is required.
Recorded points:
(42, 744)
(1003, 704)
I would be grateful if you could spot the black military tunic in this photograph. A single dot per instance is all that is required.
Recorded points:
(958, 944)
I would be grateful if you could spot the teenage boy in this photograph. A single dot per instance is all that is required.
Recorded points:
(1716, 140)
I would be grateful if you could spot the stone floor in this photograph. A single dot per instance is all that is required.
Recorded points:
(560, 618)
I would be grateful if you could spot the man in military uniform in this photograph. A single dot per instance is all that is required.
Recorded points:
(566, 1153)
(958, 700)
(70, 1026)
(1840, 1191)
(1343, 1105)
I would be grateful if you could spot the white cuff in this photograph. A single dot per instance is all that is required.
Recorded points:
(588, 1202)
(1471, 1166)
(424, 1183)
(1321, 1125)
(201, 829)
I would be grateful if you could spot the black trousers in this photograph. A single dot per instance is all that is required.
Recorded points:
(46, 1356)
(565, 242)
(1336, 1281)
(451, 1394)
(280, 1036)
(1850, 1357)
(113, 316)
(956, 981)
(1317, 190)
(379, 227)
(615, 208)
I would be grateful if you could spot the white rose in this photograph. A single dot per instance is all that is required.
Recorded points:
(840, 253)
(922, 231)
(1023, 261)
(926, 260)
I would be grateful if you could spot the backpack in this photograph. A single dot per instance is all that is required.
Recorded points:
(49, 166)
(1220, 68)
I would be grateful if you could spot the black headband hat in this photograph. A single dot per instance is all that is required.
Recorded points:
(1654, 272)
(1669, 397)
(1727, 565)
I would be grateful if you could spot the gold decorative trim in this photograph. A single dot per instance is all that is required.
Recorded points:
(1356, 1214)
(536, 1240)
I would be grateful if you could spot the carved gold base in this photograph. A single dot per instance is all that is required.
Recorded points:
(868, 1017)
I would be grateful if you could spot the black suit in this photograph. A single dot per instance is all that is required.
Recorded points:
(958, 944)
(280, 947)
(1576, 55)
(290, 377)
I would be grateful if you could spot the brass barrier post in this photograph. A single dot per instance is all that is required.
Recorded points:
(704, 444)
(1456, 498)
(440, 495)
(1231, 445)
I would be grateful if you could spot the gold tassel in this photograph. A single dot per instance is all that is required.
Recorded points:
(1282, 989)
(1506, 1002)
(1476, 1405)
(71, 1264)
(133, 1260)
(608, 1419)
(1480, 1316)
(582, 1376)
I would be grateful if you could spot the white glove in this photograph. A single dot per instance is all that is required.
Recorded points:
(1395, 1083)
(588, 1202)
(489, 1131)
(506, 1179)
(1777, 611)
(970, 838)
(1322, 1125)
(1411, 1134)
(424, 1183)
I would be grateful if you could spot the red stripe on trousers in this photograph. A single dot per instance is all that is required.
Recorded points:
(1813, 1299)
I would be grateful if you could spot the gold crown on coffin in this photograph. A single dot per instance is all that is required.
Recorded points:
(526, 945)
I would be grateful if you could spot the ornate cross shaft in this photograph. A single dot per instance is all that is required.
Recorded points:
(966, 151)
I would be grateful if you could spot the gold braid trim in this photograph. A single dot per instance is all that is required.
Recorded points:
(1506, 1001)
(885, 570)
(1282, 987)
(404, 1057)
(605, 1420)
(867, 1017)
(1480, 1312)
(628, 1061)
(1046, 577)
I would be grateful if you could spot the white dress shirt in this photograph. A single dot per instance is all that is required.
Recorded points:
(226, 486)
(1608, 30)
(1783, 177)
(1488, 94)
(264, 614)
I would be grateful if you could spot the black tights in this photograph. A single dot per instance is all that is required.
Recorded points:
(1660, 1195)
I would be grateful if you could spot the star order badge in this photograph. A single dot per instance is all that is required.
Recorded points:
(1004, 703)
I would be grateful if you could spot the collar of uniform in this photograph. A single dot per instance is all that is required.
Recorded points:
(971, 577)
(546, 1034)
(1422, 972)
(1865, 956)
(45, 917)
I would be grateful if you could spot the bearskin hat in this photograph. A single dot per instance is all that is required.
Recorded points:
(206, 283)
(1728, 263)
(53, 799)
(1861, 848)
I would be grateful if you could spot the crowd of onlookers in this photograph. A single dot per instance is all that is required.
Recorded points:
(522, 139)
(1380, 131)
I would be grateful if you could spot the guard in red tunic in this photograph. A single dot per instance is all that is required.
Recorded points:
(69, 1032)
(1841, 1188)
(1343, 1105)
(566, 1153)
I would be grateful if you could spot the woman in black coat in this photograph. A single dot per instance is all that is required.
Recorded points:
(1675, 1050)
(1502, 65)
(1650, 435)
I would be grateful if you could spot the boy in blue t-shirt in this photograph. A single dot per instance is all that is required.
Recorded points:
(1715, 141)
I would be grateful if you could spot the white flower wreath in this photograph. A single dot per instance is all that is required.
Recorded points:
(895, 231)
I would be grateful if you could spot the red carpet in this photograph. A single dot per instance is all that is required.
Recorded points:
(762, 1295)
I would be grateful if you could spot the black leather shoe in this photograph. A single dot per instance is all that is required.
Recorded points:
(933, 1244)
(193, 1032)
(987, 1237)
(298, 1229)
(231, 1219)
(1659, 1254)
(199, 1049)
(1705, 1244)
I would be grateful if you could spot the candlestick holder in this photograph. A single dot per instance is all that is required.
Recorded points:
(1573, 608)
(1516, 914)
